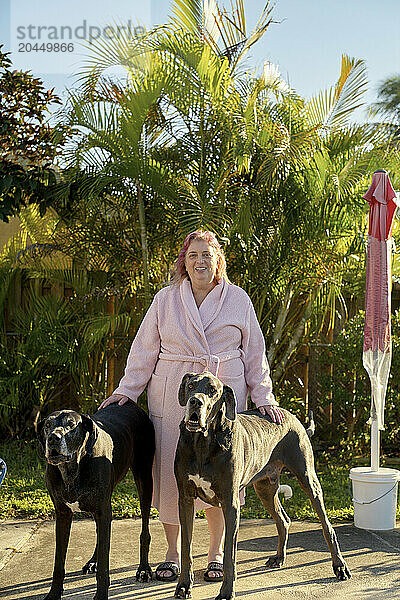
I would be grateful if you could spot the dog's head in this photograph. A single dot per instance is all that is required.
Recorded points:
(204, 396)
(63, 434)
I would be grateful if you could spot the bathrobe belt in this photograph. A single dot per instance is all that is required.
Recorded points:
(211, 362)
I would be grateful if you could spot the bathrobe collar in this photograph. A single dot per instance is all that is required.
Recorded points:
(212, 303)
(203, 316)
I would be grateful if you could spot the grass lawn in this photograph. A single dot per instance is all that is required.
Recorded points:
(23, 494)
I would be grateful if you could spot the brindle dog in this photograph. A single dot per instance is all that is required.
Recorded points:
(220, 453)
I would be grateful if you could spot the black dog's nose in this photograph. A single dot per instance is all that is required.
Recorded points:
(196, 402)
(54, 437)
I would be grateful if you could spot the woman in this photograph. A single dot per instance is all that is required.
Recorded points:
(199, 322)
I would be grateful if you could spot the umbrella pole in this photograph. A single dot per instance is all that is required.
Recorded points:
(374, 445)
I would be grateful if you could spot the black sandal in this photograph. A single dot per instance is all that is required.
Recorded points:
(167, 566)
(214, 567)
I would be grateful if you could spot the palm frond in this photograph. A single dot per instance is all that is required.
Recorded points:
(188, 15)
(101, 327)
(333, 107)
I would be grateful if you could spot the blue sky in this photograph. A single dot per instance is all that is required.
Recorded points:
(307, 43)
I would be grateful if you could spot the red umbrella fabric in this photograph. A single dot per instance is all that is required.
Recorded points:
(377, 351)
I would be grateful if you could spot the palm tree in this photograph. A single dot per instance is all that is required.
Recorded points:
(189, 140)
(388, 107)
(164, 137)
(278, 177)
(305, 221)
(388, 103)
(56, 329)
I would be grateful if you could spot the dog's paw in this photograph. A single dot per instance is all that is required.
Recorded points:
(183, 591)
(275, 562)
(90, 567)
(342, 572)
(144, 574)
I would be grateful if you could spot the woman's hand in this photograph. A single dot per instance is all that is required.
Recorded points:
(275, 412)
(120, 398)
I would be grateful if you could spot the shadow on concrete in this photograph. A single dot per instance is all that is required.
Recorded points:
(373, 558)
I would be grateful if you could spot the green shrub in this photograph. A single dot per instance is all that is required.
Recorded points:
(348, 387)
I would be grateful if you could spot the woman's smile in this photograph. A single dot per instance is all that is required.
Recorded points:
(201, 263)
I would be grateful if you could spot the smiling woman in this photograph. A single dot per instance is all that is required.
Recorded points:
(201, 243)
(201, 266)
(200, 322)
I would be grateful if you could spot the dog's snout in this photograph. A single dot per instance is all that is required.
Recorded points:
(55, 436)
(196, 402)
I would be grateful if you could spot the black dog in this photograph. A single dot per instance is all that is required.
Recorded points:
(86, 458)
(220, 453)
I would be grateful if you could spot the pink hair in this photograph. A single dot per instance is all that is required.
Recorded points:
(179, 273)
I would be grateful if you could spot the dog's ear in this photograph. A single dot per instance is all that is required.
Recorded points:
(39, 434)
(89, 427)
(88, 423)
(181, 394)
(228, 396)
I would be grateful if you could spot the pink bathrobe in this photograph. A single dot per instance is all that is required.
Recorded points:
(176, 337)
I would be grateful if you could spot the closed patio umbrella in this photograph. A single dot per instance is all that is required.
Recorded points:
(377, 350)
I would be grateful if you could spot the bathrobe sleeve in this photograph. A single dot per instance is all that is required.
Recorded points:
(143, 355)
(256, 368)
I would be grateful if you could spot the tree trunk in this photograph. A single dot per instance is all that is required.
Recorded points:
(279, 325)
(306, 377)
(329, 407)
(111, 350)
(295, 339)
(143, 238)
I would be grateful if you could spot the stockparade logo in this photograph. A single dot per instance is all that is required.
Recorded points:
(51, 43)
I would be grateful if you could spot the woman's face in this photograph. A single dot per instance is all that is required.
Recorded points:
(201, 263)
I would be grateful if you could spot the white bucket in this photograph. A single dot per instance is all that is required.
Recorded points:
(374, 497)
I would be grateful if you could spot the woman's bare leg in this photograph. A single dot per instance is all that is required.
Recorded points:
(173, 537)
(216, 527)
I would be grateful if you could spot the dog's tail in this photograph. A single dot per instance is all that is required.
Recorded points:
(311, 425)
